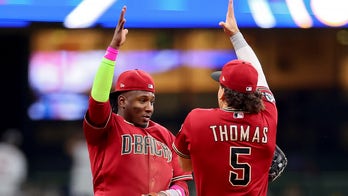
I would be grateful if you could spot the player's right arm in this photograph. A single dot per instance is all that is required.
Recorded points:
(243, 50)
(99, 110)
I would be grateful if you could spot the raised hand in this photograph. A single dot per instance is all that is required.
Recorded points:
(230, 25)
(120, 32)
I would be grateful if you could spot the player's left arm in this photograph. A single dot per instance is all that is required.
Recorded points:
(241, 47)
(185, 164)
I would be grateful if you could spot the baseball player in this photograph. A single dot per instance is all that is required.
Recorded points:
(230, 148)
(129, 154)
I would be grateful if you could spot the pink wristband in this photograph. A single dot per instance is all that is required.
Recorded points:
(178, 188)
(111, 53)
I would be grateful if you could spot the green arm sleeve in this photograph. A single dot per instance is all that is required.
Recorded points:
(103, 81)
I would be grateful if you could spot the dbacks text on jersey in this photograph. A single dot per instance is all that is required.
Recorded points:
(144, 144)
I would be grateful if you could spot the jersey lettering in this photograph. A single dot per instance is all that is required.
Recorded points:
(223, 133)
(144, 144)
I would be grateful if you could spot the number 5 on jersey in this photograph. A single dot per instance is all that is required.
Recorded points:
(239, 179)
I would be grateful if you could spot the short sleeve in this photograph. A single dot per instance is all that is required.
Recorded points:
(182, 142)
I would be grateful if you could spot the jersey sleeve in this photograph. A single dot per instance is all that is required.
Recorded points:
(267, 95)
(245, 52)
(179, 174)
(181, 143)
(99, 109)
(180, 177)
(96, 120)
(97, 113)
(270, 103)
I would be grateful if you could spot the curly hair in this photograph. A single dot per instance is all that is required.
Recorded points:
(248, 102)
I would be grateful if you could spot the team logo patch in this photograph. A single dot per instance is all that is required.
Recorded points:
(150, 86)
(269, 97)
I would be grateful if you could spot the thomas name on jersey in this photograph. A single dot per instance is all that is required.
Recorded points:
(241, 133)
(144, 144)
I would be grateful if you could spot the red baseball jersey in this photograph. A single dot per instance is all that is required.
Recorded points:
(231, 151)
(129, 160)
